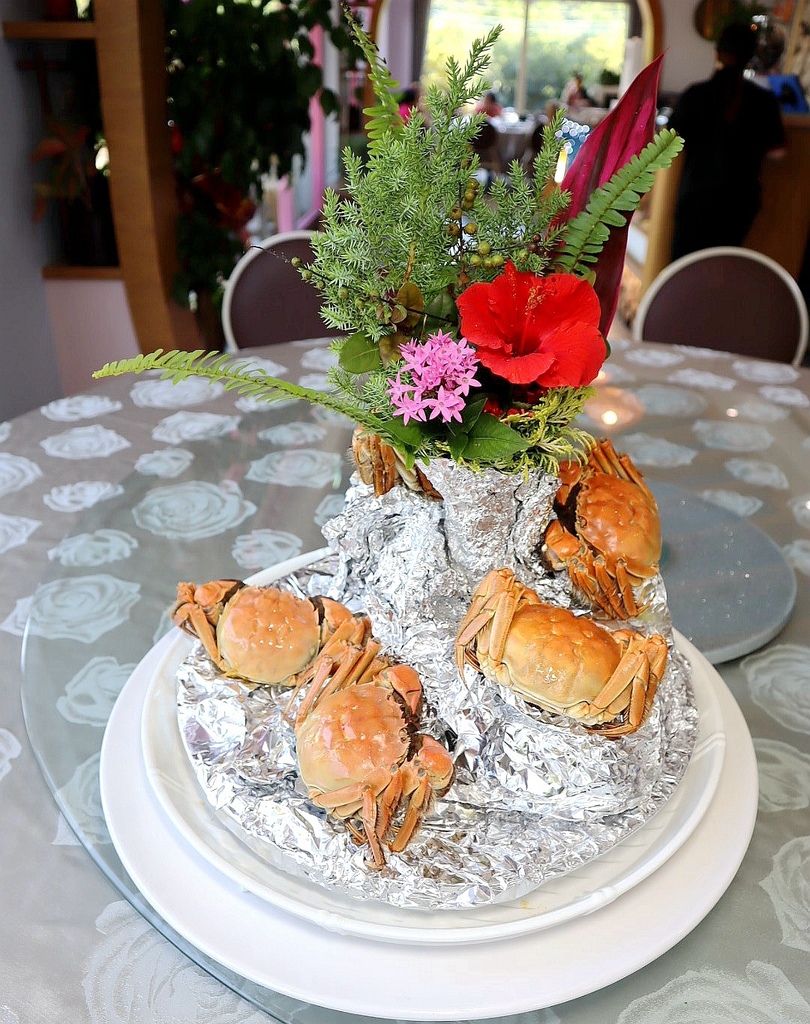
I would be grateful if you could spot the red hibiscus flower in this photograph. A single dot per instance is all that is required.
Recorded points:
(535, 330)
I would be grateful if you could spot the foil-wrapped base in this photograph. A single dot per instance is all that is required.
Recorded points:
(534, 796)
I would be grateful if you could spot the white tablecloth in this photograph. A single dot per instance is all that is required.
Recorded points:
(125, 490)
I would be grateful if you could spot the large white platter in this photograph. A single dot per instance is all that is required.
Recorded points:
(288, 954)
(579, 892)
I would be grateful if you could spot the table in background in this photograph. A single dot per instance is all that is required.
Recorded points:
(514, 136)
(108, 499)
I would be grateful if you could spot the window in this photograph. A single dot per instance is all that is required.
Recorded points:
(562, 36)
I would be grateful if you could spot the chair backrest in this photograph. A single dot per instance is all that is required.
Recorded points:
(266, 301)
(726, 298)
(486, 138)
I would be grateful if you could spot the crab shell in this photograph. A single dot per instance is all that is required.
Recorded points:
(359, 749)
(267, 635)
(558, 661)
(262, 634)
(352, 737)
(608, 531)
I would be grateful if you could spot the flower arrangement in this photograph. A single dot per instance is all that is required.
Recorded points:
(475, 320)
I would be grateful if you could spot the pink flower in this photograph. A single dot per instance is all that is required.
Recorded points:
(434, 379)
(446, 404)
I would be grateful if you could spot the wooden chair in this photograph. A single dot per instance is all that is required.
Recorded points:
(266, 301)
(726, 298)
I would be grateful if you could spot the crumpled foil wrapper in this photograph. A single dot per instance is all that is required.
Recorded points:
(534, 796)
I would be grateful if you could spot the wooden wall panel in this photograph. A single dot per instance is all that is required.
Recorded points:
(130, 54)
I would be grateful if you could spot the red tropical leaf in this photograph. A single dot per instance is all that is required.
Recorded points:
(626, 130)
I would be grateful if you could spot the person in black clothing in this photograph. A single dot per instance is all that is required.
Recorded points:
(728, 125)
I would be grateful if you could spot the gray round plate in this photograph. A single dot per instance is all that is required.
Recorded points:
(729, 587)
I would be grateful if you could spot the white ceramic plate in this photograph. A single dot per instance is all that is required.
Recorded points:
(287, 954)
(579, 892)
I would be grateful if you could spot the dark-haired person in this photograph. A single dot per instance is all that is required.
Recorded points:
(729, 125)
(489, 105)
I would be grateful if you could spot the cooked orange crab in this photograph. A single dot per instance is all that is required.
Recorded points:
(359, 749)
(608, 531)
(558, 661)
(382, 466)
(262, 634)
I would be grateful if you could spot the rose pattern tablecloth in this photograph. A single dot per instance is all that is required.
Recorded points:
(107, 499)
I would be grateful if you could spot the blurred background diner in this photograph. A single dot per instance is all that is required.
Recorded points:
(129, 192)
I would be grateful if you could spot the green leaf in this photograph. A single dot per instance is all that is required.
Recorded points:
(359, 354)
(407, 439)
(491, 441)
(470, 416)
(458, 442)
(440, 312)
(587, 233)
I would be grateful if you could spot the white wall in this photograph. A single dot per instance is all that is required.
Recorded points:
(91, 326)
(395, 38)
(28, 371)
(689, 58)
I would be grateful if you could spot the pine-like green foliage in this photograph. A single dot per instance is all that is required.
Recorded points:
(402, 222)
(538, 438)
(416, 230)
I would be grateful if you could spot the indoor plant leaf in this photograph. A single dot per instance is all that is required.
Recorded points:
(626, 130)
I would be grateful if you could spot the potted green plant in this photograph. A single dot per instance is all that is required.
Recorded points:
(240, 79)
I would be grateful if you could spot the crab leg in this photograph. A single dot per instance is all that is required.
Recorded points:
(633, 665)
(489, 608)
(359, 796)
(616, 597)
(352, 668)
(404, 681)
(370, 827)
(193, 620)
(648, 656)
(609, 461)
(347, 634)
(417, 804)
(351, 630)
(351, 663)
(389, 802)
(625, 583)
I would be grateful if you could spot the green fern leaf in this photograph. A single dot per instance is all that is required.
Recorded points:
(587, 233)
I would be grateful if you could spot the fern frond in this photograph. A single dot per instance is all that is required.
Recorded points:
(236, 373)
(612, 204)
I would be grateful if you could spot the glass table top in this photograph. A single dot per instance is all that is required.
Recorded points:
(88, 626)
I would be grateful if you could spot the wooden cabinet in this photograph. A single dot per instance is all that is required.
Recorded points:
(129, 46)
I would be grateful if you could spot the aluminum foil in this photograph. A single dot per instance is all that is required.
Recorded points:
(534, 795)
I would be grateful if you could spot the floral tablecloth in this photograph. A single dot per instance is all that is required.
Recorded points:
(108, 499)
